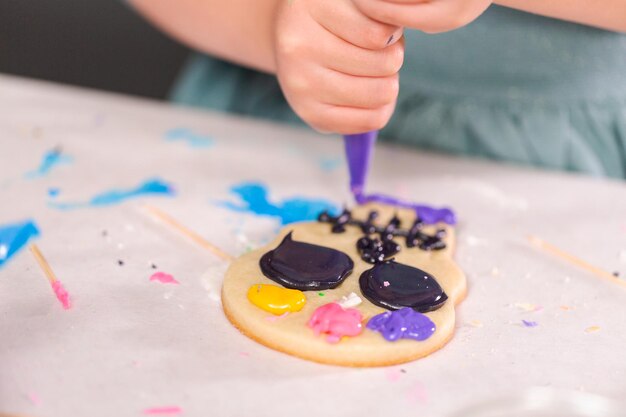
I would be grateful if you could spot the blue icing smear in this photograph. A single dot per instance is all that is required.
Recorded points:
(111, 197)
(14, 237)
(194, 140)
(330, 163)
(254, 197)
(50, 159)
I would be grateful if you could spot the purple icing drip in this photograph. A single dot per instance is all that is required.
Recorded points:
(405, 323)
(358, 151)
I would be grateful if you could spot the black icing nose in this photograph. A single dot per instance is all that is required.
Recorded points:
(304, 266)
(393, 286)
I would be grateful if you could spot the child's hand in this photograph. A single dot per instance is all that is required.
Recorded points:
(337, 68)
(430, 16)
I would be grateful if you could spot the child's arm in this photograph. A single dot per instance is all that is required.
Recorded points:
(605, 14)
(434, 16)
(236, 30)
(337, 67)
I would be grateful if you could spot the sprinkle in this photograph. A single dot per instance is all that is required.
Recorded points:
(120, 262)
(592, 329)
(475, 241)
(495, 271)
(163, 278)
(153, 266)
(527, 307)
(34, 398)
(386, 283)
(352, 300)
(530, 323)
(566, 308)
(321, 294)
(168, 410)
(53, 192)
(476, 323)
(393, 374)
(418, 393)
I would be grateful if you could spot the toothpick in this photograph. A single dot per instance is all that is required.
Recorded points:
(45, 266)
(600, 273)
(165, 218)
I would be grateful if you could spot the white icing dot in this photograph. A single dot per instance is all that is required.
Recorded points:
(352, 300)
(3, 251)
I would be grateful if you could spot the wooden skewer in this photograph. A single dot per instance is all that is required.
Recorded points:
(59, 291)
(601, 273)
(189, 233)
(45, 266)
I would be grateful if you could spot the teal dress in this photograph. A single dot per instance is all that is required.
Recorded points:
(511, 86)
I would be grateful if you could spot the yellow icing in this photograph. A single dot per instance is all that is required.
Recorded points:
(276, 300)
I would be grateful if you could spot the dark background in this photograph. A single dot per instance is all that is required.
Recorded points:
(94, 43)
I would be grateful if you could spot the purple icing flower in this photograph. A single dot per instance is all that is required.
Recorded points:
(405, 323)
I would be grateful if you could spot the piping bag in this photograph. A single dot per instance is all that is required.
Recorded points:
(359, 149)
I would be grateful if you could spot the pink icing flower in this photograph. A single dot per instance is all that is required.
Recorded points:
(336, 321)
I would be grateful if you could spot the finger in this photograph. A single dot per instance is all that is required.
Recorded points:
(349, 59)
(362, 92)
(349, 120)
(431, 17)
(343, 19)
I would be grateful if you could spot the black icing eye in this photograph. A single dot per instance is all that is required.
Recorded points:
(393, 286)
(304, 266)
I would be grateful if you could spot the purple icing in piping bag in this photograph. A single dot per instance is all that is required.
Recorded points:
(358, 152)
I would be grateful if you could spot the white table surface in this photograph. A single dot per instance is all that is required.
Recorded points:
(129, 344)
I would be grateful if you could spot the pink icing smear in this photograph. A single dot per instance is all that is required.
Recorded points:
(336, 322)
(163, 278)
(169, 410)
(62, 295)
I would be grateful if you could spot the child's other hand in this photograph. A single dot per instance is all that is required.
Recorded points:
(430, 16)
(337, 68)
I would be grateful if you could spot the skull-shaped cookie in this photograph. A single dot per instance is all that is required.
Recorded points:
(300, 294)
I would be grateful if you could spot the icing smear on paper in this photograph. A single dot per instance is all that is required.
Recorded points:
(163, 278)
(163, 411)
(254, 199)
(14, 237)
(50, 160)
(188, 136)
(153, 186)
